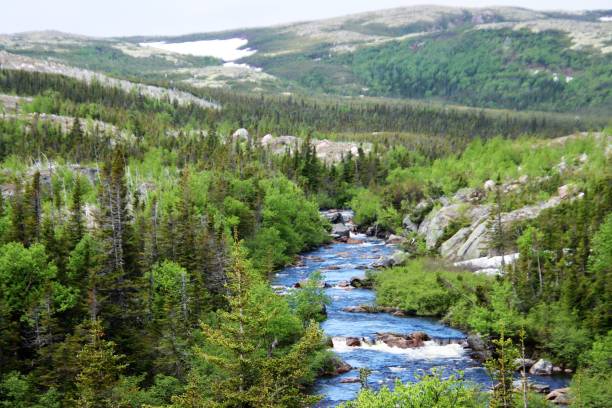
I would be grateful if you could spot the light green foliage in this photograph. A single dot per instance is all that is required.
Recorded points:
(288, 219)
(27, 281)
(17, 391)
(310, 300)
(100, 367)
(366, 205)
(501, 368)
(430, 391)
(424, 287)
(592, 385)
(257, 354)
(128, 391)
(559, 331)
(497, 315)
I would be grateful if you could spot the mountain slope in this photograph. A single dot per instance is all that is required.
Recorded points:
(556, 61)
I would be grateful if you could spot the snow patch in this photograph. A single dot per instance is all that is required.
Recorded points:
(605, 18)
(227, 50)
(244, 66)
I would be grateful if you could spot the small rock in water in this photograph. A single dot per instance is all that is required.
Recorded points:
(353, 342)
(403, 341)
(354, 241)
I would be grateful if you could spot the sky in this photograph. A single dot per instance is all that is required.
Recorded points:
(169, 17)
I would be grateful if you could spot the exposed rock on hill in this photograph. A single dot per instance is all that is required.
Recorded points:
(19, 62)
(327, 150)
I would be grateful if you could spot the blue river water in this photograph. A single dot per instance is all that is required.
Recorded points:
(339, 262)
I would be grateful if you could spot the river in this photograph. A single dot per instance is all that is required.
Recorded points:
(340, 262)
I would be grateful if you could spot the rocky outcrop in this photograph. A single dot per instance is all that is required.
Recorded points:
(436, 222)
(24, 63)
(449, 248)
(326, 150)
(403, 341)
(541, 367)
(408, 225)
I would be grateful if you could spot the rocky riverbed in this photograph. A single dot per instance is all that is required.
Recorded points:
(392, 345)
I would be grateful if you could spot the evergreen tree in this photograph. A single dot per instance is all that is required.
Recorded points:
(99, 370)
(76, 223)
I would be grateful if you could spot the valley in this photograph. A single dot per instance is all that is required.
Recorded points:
(404, 207)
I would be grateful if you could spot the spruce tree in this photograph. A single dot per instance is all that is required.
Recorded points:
(99, 369)
(76, 223)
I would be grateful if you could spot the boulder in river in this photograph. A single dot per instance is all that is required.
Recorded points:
(354, 241)
(340, 230)
(403, 341)
(333, 216)
(480, 352)
(344, 284)
(541, 367)
(305, 282)
(337, 367)
(353, 341)
(355, 309)
(363, 283)
(533, 386)
(527, 362)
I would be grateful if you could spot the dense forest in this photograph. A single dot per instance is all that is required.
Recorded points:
(138, 237)
(525, 71)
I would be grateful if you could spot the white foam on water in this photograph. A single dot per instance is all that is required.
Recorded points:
(430, 351)
(227, 50)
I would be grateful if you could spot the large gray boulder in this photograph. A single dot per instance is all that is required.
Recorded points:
(340, 230)
(241, 134)
(433, 226)
(541, 367)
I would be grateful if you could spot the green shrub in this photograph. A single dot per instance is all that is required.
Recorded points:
(430, 391)
(424, 287)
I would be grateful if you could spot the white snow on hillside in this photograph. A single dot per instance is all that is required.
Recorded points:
(227, 50)
(605, 18)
